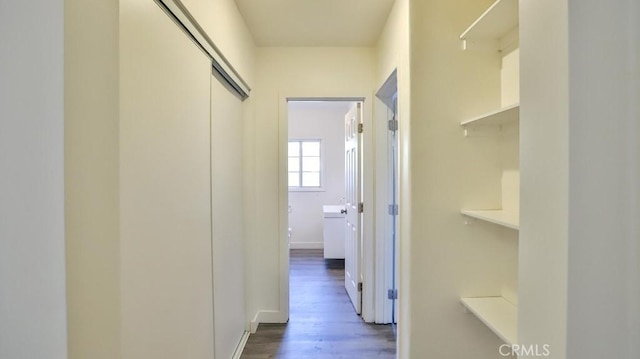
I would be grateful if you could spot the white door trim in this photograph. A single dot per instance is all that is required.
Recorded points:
(368, 255)
(384, 102)
(353, 198)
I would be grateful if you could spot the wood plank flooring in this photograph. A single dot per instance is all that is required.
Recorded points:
(323, 323)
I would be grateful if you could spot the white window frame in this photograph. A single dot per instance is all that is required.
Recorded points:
(301, 188)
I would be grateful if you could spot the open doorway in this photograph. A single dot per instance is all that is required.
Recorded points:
(320, 318)
(315, 172)
(324, 172)
(325, 187)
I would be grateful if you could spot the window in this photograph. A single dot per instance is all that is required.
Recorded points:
(305, 164)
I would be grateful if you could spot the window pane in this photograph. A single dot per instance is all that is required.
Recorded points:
(311, 179)
(294, 164)
(311, 164)
(294, 148)
(294, 179)
(311, 148)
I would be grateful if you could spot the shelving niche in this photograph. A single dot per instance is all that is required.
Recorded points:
(494, 28)
(497, 30)
(497, 313)
(500, 217)
(502, 116)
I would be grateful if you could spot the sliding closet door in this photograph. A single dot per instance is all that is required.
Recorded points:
(227, 217)
(165, 189)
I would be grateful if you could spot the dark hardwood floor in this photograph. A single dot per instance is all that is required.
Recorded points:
(322, 321)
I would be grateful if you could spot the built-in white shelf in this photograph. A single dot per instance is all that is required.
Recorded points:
(502, 116)
(509, 219)
(500, 315)
(493, 25)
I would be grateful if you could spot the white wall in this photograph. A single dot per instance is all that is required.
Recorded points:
(281, 73)
(323, 121)
(579, 119)
(222, 21)
(603, 317)
(509, 143)
(91, 165)
(544, 162)
(182, 192)
(393, 53)
(165, 188)
(393, 43)
(510, 133)
(227, 219)
(32, 258)
(91, 178)
(224, 24)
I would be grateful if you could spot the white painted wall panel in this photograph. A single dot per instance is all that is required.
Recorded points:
(393, 53)
(32, 257)
(165, 189)
(510, 78)
(544, 162)
(227, 218)
(294, 72)
(91, 178)
(603, 318)
(392, 42)
(224, 24)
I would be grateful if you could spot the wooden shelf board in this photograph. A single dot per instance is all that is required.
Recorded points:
(498, 117)
(496, 313)
(496, 22)
(497, 216)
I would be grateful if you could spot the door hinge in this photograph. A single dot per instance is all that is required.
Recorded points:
(393, 125)
(392, 294)
(393, 209)
(361, 207)
(360, 128)
(359, 286)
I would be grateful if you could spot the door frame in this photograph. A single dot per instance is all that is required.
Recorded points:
(368, 192)
(352, 139)
(383, 241)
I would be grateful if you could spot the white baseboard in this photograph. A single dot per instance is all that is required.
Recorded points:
(266, 316)
(240, 348)
(306, 245)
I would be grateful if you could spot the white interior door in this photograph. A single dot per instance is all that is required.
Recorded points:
(352, 281)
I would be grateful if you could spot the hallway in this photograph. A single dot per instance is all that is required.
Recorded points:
(322, 321)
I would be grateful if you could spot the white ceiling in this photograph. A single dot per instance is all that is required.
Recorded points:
(315, 22)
